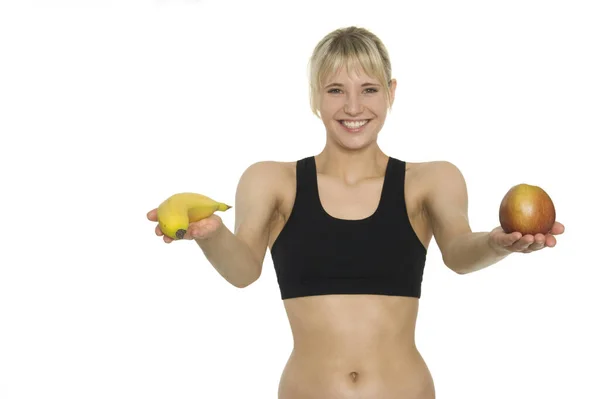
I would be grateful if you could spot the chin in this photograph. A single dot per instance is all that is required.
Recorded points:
(354, 140)
(354, 143)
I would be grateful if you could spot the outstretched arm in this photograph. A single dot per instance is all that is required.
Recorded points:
(238, 255)
(463, 250)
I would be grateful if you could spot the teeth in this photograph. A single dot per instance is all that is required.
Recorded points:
(354, 124)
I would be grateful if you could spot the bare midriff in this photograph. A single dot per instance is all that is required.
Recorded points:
(354, 346)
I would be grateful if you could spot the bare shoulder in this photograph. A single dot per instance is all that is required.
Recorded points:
(445, 197)
(267, 179)
(265, 169)
(437, 173)
(436, 168)
(268, 173)
(436, 185)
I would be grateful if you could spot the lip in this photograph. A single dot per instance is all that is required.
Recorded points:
(353, 120)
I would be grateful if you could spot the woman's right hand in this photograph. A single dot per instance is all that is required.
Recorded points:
(200, 230)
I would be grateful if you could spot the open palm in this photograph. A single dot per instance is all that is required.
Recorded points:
(525, 243)
(201, 229)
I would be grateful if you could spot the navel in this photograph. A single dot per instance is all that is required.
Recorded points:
(354, 376)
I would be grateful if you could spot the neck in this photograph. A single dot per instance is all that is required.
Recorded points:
(352, 166)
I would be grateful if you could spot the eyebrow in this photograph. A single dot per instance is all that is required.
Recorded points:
(341, 85)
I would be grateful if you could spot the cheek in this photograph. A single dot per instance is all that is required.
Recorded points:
(328, 108)
(376, 102)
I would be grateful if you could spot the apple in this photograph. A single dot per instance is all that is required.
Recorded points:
(527, 209)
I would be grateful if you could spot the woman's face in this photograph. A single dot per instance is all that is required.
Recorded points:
(353, 108)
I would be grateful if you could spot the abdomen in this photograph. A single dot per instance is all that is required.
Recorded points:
(404, 376)
(354, 346)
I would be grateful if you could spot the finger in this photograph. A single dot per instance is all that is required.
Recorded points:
(152, 215)
(508, 240)
(190, 234)
(550, 241)
(158, 231)
(196, 230)
(167, 239)
(557, 228)
(523, 243)
(201, 228)
(538, 243)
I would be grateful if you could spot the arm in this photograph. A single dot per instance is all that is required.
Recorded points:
(238, 256)
(446, 203)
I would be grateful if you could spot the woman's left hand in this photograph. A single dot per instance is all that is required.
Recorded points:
(525, 243)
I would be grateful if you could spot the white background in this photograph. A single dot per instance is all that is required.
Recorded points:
(108, 107)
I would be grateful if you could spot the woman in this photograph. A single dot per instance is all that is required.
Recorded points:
(348, 231)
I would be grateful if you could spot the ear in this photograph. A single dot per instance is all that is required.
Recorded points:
(392, 88)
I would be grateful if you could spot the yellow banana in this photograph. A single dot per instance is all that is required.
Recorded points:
(179, 210)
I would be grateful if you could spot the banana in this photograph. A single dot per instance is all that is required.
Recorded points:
(179, 210)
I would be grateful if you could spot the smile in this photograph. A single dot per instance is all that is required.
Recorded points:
(354, 126)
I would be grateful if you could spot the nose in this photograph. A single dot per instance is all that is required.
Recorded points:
(353, 104)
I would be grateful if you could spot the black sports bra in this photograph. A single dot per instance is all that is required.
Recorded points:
(318, 254)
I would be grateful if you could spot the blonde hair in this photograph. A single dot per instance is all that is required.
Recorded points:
(354, 48)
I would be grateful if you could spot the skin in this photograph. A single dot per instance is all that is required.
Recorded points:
(333, 355)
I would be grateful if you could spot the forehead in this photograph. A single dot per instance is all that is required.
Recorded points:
(345, 74)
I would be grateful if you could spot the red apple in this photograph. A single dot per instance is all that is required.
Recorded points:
(527, 209)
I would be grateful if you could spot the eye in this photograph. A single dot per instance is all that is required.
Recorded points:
(370, 90)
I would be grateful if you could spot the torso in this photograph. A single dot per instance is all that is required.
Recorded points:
(333, 356)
